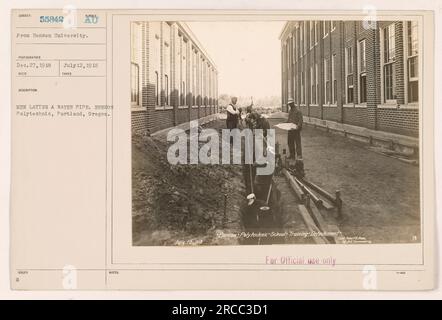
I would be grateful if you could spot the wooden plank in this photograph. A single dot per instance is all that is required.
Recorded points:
(294, 185)
(313, 196)
(320, 200)
(317, 217)
(311, 225)
(321, 191)
(326, 228)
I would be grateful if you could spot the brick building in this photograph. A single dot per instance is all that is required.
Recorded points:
(345, 72)
(173, 80)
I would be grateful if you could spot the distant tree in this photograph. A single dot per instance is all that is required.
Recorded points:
(223, 100)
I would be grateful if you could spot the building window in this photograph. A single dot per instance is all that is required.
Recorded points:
(305, 37)
(301, 39)
(362, 72)
(326, 83)
(302, 88)
(349, 82)
(135, 84)
(135, 60)
(194, 59)
(312, 34)
(389, 63)
(316, 32)
(412, 62)
(298, 42)
(157, 89)
(312, 86)
(166, 89)
(326, 28)
(183, 94)
(317, 82)
(289, 87)
(334, 81)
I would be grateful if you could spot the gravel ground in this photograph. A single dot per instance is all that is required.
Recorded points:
(380, 194)
(182, 204)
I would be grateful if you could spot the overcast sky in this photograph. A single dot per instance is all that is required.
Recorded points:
(247, 55)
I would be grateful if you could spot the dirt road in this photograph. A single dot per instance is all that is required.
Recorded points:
(380, 194)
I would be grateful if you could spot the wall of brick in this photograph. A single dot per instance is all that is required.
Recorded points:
(371, 114)
(182, 115)
(355, 116)
(165, 52)
(399, 121)
(315, 111)
(332, 113)
(139, 120)
(194, 113)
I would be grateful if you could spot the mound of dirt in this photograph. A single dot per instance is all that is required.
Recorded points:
(180, 204)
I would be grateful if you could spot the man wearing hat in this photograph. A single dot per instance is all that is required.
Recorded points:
(294, 135)
(233, 114)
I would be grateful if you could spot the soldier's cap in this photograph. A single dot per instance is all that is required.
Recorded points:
(290, 101)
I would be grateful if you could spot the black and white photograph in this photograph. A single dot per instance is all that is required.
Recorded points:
(333, 106)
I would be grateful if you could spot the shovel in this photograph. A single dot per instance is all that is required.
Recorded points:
(251, 197)
(266, 206)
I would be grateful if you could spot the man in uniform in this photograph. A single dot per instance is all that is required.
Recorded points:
(233, 114)
(294, 135)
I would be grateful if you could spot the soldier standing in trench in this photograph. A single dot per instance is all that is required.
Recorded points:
(232, 114)
(294, 135)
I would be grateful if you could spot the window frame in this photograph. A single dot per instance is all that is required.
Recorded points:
(326, 81)
(316, 32)
(349, 64)
(313, 97)
(362, 70)
(326, 28)
(388, 64)
(409, 57)
(312, 34)
(334, 84)
(137, 86)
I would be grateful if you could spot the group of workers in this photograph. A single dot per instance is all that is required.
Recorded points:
(255, 120)
(259, 188)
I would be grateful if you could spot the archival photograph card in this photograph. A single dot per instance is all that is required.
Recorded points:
(222, 149)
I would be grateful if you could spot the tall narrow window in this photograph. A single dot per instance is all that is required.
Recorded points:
(389, 63)
(413, 74)
(326, 28)
(312, 86)
(301, 39)
(155, 64)
(297, 43)
(316, 32)
(305, 37)
(317, 82)
(312, 34)
(349, 82)
(166, 89)
(302, 88)
(166, 62)
(184, 94)
(305, 86)
(194, 90)
(135, 85)
(326, 83)
(362, 72)
(294, 58)
(334, 81)
(135, 60)
(157, 89)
